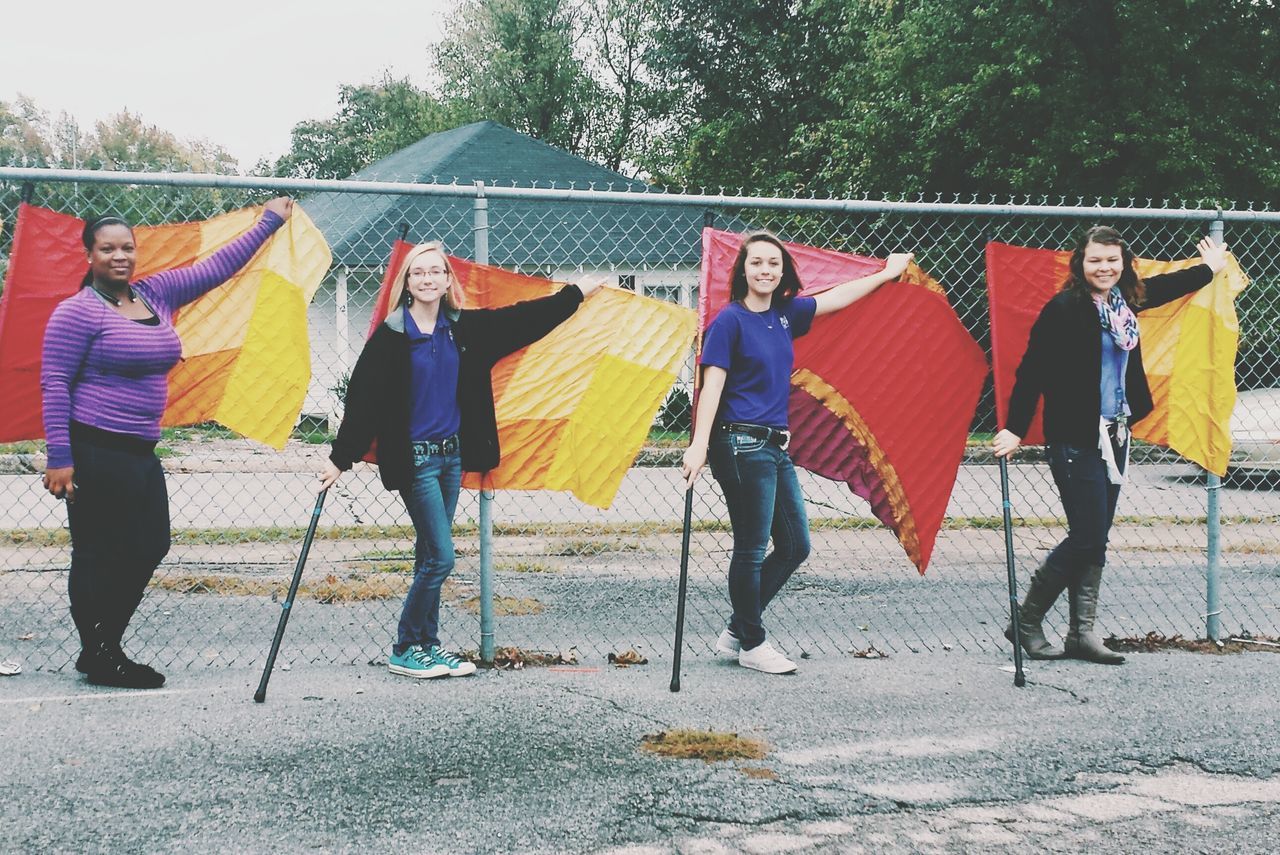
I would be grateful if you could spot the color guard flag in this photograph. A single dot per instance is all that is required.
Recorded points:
(1188, 347)
(575, 407)
(882, 393)
(246, 358)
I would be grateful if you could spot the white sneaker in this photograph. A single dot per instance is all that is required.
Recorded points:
(765, 658)
(728, 643)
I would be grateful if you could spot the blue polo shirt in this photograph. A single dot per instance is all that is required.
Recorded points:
(433, 380)
(756, 350)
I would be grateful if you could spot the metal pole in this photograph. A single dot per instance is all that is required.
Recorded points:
(1019, 678)
(1213, 514)
(343, 343)
(486, 498)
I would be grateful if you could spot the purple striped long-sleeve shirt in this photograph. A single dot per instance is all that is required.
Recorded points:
(105, 370)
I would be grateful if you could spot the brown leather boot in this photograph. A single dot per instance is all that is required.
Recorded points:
(1047, 583)
(1081, 643)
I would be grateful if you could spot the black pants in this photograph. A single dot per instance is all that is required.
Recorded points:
(119, 532)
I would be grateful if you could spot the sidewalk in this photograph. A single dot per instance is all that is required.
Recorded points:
(920, 753)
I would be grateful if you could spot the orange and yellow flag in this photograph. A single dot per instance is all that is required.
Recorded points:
(246, 356)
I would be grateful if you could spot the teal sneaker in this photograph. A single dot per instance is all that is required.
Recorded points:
(416, 662)
(456, 667)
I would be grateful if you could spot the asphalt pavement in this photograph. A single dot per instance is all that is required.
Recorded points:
(934, 752)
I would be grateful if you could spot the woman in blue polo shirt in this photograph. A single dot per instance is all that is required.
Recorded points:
(741, 429)
(423, 391)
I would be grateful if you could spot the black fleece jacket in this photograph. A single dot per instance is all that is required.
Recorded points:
(377, 406)
(1063, 363)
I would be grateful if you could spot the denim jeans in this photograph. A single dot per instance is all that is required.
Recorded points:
(763, 496)
(1089, 500)
(431, 500)
(119, 533)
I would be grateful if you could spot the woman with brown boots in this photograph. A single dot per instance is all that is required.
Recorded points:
(1085, 358)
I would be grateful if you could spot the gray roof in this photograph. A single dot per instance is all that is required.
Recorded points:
(522, 233)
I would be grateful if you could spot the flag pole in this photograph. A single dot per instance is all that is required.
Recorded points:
(1019, 679)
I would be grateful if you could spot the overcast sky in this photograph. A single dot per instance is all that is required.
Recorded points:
(240, 73)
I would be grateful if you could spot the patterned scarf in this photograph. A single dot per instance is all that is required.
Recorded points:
(1118, 319)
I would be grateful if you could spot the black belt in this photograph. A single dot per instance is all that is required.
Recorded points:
(448, 445)
(773, 436)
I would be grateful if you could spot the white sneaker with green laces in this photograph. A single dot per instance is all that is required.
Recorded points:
(765, 658)
(455, 666)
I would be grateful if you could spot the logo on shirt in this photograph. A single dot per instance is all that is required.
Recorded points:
(786, 325)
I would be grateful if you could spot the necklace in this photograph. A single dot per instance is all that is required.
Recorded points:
(113, 299)
(766, 316)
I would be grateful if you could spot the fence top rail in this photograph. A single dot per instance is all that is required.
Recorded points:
(480, 189)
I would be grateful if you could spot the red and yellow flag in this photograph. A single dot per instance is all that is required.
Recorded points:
(882, 393)
(246, 355)
(575, 407)
(1188, 347)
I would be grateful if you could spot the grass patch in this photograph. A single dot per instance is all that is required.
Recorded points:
(284, 534)
(707, 745)
(330, 589)
(578, 548)
(506, 606)
(400, 568)
(26, 446)
(525, 567)
(197, 433)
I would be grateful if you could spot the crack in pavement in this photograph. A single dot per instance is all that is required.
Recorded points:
(611, 702)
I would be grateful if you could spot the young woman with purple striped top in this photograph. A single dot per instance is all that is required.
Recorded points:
(107, 354)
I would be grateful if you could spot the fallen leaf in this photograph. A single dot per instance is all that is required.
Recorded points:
(627, 658)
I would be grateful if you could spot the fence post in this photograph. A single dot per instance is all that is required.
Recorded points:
(486, 498)
(343, 344)
(1213, 514)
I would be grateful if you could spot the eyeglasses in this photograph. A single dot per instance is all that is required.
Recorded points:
(433, 272)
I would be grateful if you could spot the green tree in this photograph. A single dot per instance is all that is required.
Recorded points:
(373, 120)
(518, 62)
(632, 104)
(743, 79)
(1129, 98)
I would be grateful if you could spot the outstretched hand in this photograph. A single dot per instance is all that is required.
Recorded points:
(281, 206)
(1212, 254)
(896, 265)
(589, 285)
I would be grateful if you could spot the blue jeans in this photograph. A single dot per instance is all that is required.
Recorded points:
(431, 500)
(763, 496)
(1089, 500)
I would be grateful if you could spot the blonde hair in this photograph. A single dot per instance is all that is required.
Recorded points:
(453, 297)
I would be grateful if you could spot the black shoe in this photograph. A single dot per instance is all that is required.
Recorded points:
(86, 660)
(110, 667)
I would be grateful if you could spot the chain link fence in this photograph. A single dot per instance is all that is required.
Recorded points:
(581, 582)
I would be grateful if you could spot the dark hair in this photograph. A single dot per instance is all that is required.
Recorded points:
(90, 234)
(787, 288)
(1130, 284)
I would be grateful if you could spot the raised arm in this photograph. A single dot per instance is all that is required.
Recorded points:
(847, 293)
(1168, 287)
(179, 286)
(509, 328)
